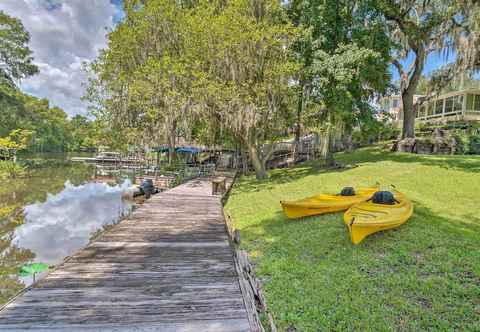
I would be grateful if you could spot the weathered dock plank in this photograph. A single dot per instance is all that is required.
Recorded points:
(169, 267)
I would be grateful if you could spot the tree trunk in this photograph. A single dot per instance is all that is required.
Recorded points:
(348, 141)
(298, 129)
(171, 152)
(244, 156)
(329, 160)
(171, 142)
(408, 130)
(326, 151)
(409, 83)
(259, 163)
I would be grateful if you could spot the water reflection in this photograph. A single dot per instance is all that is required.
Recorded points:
(15, 194)
(64, 223)
(50, 214)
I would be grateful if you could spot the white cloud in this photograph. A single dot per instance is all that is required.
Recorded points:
(64, 34)
(64, 223)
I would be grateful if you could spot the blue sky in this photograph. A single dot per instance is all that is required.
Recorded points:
(434, 61)
(120, 14)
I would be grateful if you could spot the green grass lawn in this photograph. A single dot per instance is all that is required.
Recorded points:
(424, 275)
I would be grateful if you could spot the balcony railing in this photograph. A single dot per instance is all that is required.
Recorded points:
(449, 114)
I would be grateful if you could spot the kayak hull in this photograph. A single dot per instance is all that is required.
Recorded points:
(367, 218)
(293, 211)
(324, 203)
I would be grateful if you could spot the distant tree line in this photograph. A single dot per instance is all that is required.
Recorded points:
(49, 128)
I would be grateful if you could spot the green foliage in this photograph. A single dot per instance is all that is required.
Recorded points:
(252, 59)
(464, 38)
(388, 131)
(223, 66)
(85, 134)
(344, 52)
(17, 140)
(422, 276)
(15, 56)
(474, 144)
(374, 131)
(29, 123)
(10, 169)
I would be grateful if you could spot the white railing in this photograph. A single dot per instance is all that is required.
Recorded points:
(472, 111)
(441, 115)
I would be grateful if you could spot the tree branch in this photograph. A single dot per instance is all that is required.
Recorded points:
(398, 65)
(416, 70)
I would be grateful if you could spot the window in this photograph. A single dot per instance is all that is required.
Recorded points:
(476, 106)
(470, 98)
(430, 108)
(449, 104)
(458, 104)
(395, 103)
(439, 106)
(423, 111)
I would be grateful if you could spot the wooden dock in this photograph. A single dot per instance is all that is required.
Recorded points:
(169, 267)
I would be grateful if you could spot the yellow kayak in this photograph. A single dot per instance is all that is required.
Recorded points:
(374, 216)
(325, 203)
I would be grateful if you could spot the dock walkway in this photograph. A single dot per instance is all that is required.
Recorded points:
(168, 267)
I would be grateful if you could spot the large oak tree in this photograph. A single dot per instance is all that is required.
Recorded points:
(418, 28)
(344, 54)
(173, 63)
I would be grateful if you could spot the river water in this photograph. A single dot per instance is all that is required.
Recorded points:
(51, 213)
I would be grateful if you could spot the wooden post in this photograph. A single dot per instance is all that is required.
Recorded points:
(219, 185)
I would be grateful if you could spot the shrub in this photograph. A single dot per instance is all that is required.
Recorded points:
(459, 143)
(474, 144)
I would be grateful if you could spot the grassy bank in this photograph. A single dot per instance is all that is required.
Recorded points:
(422, 276)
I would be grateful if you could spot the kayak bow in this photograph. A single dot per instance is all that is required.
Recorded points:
(369, 217)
